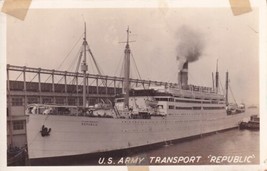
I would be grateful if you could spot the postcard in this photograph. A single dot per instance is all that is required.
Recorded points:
(152, 85)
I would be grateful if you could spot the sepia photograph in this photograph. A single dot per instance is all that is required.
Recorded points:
(175, 86)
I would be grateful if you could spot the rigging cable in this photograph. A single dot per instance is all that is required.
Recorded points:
(232, 93)
(136, 67)
(96, 65)
(119, 66)
(70, 68)
(69, 52)
(122, 68)
(92, 65)
(121, 74)
(222, 88)
(79, 61)
(99, 70)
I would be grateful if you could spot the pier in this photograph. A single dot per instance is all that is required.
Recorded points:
(28, 85)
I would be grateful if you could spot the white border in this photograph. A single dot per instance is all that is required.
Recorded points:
(261, 4)
(3, 137)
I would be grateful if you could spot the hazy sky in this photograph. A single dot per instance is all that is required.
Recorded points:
(45, 38)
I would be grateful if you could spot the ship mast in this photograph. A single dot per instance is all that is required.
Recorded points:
(127, 53)
(217, 78)
(84, 66)
(226, 88)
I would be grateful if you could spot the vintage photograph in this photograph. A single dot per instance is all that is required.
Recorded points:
(133, 86)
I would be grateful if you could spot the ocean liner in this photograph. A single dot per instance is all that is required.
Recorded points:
(137, 118)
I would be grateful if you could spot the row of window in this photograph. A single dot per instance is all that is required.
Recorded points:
(47, 87)
(213, 108)
(19, 101)
(187, 101)
(195, 108)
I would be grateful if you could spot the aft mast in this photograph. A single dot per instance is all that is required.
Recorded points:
(217, 79)
(84, 66)
(226, 88)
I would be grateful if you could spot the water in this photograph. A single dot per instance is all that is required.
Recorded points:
(240, 143)
(230, 147)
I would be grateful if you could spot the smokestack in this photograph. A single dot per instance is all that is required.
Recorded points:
(183, 76)
(189, 49)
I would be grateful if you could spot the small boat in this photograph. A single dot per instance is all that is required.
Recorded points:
(253, 107)
(253, 123)
(235, 108)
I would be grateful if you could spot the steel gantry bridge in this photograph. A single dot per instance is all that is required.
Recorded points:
(65, 87)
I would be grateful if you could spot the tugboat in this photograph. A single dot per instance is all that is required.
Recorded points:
(252, 124)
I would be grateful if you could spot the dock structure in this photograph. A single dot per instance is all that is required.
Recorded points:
(47, 86)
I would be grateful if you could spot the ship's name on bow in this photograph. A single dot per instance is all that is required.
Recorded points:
(89, 123)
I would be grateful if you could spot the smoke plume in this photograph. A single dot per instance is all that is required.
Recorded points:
(190, 46)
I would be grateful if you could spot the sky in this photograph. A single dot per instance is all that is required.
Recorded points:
(47, 37)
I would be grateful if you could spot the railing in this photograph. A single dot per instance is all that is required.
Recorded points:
(80, 75)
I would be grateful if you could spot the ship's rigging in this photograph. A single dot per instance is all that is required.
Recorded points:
(82, 64)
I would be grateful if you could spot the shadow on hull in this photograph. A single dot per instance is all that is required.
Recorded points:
(95, 159)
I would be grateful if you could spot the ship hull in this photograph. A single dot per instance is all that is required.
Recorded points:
(82, 136)
(93, 158)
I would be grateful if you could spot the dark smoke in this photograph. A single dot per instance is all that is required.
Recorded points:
(190, 45)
